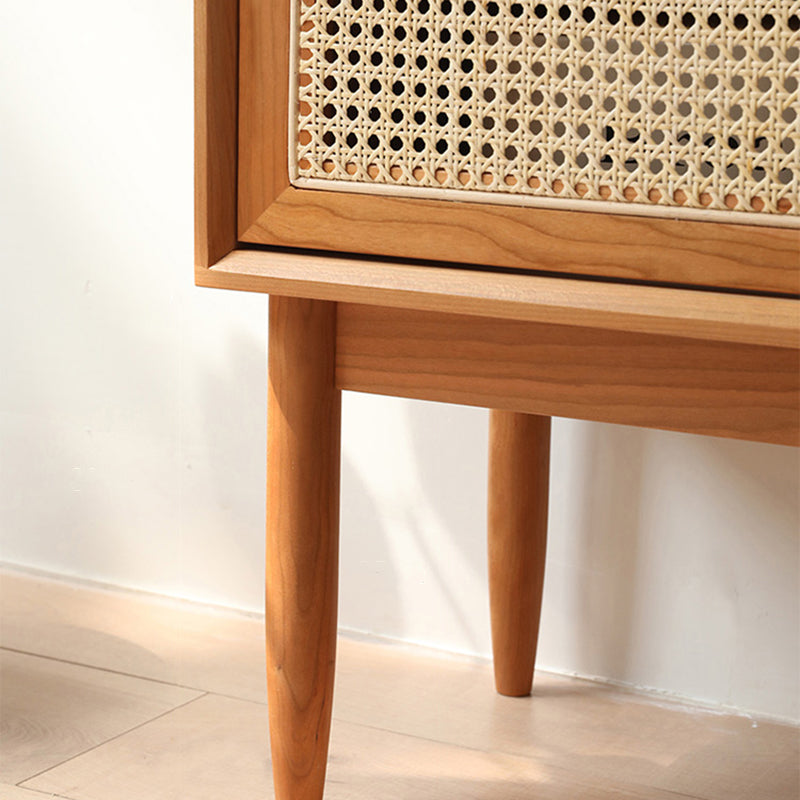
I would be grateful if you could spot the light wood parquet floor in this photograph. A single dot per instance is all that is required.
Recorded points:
(116, 696)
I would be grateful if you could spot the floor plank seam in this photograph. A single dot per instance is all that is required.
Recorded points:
(43, 794)
(432, 740)
(109, 670)
(108, 741)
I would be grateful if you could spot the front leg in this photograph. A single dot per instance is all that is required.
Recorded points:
(303, 444)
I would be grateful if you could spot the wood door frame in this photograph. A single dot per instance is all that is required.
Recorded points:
(621, 247)
(629, 248)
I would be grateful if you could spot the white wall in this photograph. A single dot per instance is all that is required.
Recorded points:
(132, 427)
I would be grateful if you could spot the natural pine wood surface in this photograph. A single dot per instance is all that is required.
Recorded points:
(642, 309)
(408, 725)
(738, 391)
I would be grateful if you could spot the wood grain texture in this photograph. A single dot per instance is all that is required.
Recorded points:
(688, 313)
(303, 440)
(264, 107)
(713, 388)
(749, 258)
(216, 79)
(625, 247)
(519, 481)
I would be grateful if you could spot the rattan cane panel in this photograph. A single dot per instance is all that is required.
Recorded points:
(666, 106)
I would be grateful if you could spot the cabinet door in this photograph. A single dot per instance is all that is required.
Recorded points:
(640, 140)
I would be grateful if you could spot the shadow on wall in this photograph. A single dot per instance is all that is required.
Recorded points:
(369, 603)
(604, 498)
(673, 563)
(668, 553)
(413, 522)
(764, 476)
(607, 497)
(741, 542)
(451, 466)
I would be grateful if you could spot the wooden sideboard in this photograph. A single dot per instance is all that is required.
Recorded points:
(687, 324)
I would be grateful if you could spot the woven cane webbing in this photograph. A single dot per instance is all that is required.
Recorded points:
(674, 106)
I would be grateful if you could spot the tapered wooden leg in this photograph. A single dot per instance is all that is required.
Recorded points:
(519, 467)
(302, 541)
